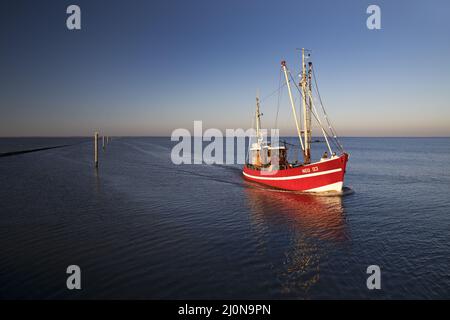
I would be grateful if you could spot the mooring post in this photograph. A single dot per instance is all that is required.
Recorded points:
(103, 142)
(96, 149)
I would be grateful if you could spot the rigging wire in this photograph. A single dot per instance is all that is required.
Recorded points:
(330, 126)
(332, 136)
(271, 94)
(316, 116)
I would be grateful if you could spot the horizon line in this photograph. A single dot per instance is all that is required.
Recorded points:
(168, 136)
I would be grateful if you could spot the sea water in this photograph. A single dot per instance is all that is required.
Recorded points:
(142, 227)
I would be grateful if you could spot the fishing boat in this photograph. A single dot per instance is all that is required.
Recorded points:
(267, 162)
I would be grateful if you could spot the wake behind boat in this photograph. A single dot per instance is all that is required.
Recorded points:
(268, 161)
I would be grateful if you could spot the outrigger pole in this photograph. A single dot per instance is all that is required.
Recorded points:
(283, 64)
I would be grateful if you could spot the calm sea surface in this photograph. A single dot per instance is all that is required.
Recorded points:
(141, 227)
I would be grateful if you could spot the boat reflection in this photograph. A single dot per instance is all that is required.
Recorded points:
(315, 216)
(301, 229)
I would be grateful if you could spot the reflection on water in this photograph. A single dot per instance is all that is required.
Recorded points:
(313, 215)
(311, 219)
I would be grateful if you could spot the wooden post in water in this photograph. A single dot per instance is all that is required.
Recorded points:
(96, 149)
(103, 142)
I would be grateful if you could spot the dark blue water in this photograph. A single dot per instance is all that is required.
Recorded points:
(141, 227)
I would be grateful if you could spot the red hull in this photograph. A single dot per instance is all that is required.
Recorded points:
(322, 176)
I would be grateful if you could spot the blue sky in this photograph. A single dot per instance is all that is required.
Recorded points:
(148, 67)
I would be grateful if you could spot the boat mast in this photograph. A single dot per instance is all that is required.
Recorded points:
(306, 113)
(258, 121)
(283, 64)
